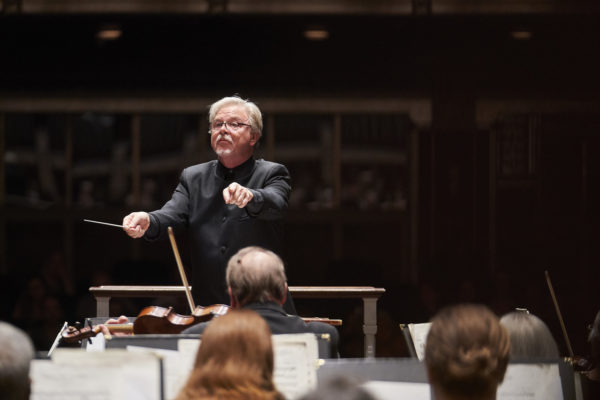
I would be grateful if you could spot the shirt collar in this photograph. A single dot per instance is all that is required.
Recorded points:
(270, 305)
(232, 174)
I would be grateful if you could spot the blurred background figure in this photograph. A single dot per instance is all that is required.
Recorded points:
(530, 337)
(467, 353)
(16, 354)
(591, 381)
(594, 340)
(234, 361)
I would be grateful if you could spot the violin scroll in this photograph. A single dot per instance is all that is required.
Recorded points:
(74, 334)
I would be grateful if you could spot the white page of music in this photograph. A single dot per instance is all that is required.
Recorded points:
(531, 382)
(73, 374)
(385, 390)
(296, 357)
(177, 364)
(419, 332)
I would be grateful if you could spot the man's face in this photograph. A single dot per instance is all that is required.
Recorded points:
(229, 140)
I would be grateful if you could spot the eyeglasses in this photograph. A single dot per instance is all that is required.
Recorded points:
(233, 126)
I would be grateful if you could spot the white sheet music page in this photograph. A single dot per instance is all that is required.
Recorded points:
(384, 390)
(74, 374)
(531, 382)
(419, 332)
(177, 364)
(296, 358)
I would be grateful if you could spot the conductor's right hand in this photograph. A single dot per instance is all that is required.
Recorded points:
(136, 224)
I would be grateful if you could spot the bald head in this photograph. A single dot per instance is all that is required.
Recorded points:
(256, 275)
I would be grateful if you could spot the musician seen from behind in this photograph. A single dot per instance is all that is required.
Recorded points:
(225, 204)
(235, 361)
(256, 281)
(466, 353)
(530, 337)
(16, 354)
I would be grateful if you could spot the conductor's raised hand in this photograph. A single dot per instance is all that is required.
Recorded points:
(237, 194)
(136, 224)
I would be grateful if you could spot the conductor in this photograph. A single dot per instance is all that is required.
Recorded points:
(224, 205)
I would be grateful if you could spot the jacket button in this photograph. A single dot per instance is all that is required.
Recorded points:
(223, 249)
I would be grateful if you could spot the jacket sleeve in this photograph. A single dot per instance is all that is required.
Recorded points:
(174, 213)
(271, 201)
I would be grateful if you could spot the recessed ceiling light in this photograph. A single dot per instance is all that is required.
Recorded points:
(109, 33)
(521, 35)
(316, 34)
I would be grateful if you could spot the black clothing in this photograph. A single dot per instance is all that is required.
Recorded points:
(280, 323)
(219, 230)
(590, 388)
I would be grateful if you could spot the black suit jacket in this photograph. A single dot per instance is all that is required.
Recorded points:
(219, 230)
(280, 323)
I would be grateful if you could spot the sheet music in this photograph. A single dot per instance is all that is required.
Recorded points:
(96, 343)
(418, 333)
(384, 390)
(295, 363)
(73, 374)
(177, 364)
(531, 382)
(296, 358)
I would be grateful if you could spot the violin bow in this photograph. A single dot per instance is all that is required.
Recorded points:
(560, 319)
(188, 293)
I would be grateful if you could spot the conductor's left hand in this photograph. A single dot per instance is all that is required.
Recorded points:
(237, 194)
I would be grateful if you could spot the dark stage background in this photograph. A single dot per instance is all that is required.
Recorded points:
(445, 156)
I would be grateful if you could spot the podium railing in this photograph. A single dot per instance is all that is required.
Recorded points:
(369, 295)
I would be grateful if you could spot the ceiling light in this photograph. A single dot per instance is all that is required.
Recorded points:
(316, 34)
(109, 33)
(521, 35)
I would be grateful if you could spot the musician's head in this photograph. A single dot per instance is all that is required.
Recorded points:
(234, 361)
(16, 354)
(530, 337)
(466, 353)
(256, 275)
(235, 128)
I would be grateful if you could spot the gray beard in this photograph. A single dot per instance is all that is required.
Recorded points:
(223, 152)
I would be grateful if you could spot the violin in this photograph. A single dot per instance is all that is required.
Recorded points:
(151, 320)
(156, 319)
(73, 334)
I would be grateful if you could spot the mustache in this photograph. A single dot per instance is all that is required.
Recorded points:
(224, 137)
